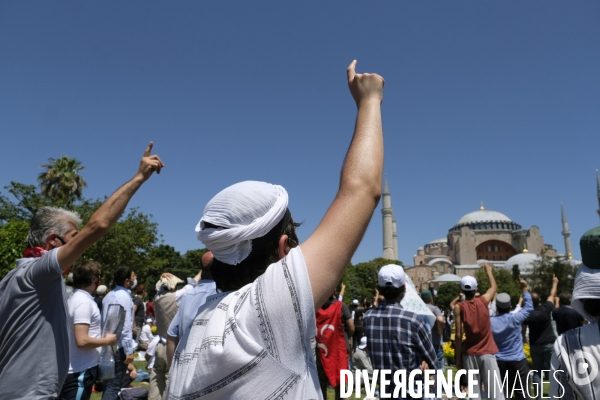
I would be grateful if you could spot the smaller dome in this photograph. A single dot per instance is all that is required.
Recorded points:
(524, 261)
(442, 240)
(436, 260)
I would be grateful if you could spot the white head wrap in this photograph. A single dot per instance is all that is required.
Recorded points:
(587, 286)
(169, 283)
(244, 211)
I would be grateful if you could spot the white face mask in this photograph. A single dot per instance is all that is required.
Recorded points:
(133, 284)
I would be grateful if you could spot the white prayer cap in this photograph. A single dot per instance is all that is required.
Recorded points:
(363, 343)
(587, 286)
(101, 290)
(468, 283)
(242, 212)
(355, 302)
(391, 274)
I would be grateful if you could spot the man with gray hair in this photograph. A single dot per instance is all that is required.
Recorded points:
(34, 334)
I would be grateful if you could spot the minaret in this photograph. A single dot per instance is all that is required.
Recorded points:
(388, 228)
(598, 188)
(566, 233)
(394, 235)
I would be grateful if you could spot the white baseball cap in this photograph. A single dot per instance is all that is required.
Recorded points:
(468, 283)
(391, 275)
(355, 302)
(363, 343)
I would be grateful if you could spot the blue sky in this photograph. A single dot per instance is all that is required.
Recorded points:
(484, 101)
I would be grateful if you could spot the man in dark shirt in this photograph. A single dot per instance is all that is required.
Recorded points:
(358, 327)
(565, 316)
(138, 309)
(541, 335)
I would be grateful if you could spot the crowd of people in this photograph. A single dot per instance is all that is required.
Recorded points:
(262, 319)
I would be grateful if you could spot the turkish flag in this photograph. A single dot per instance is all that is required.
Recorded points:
(331, 345)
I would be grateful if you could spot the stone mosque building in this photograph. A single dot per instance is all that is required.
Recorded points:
(479, 236)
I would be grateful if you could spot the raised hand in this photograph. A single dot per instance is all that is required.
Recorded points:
(364, 87)
(523, 283)
(149, 163)
(488, 268)
(554, 280)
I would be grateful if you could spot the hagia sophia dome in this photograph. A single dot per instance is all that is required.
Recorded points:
(483, 219)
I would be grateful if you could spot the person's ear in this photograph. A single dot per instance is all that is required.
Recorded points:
(283, 248)
(52, 242)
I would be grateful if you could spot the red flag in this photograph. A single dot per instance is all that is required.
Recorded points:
(331, 344)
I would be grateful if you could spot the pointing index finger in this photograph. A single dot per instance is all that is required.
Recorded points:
(351, 71)
(148, 149)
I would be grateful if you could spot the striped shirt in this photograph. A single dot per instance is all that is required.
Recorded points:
(398, 339)
(570, 374)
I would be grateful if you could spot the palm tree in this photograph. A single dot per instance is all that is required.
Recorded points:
(61, 181)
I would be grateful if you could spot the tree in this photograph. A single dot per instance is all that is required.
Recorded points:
(28, 201)
(543, 270)
(12, 243)
(505, 282)
(361, 279)
(61, 181)
(129, 242)
(445, 294)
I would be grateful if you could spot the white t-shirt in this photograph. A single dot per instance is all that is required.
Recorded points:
(146, 335)
(84, 310)
(253, 343)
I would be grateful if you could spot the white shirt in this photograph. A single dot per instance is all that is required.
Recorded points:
(253, 342)
(83, 310)
(122, 296)
(146, 336)
(569, 377)
(151, 350)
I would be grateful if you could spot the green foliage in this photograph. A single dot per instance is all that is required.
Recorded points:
(28, 200)
(446, 293)
(12, 244)
(129, 242)
(61, 181)
(505, 281)
(543, 271)
(361, 279)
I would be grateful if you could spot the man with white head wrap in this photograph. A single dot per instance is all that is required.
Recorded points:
(238, 346)
(576, 358)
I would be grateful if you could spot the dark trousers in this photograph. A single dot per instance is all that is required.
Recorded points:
(78, 386)
(358, 333)
(113, 386)
(512, 369)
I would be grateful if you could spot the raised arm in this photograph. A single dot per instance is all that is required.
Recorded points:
(458, 338)
(109, 213)
(524, 312)
(489, 295)
(553, 290)
(328, 250)
(456, 300)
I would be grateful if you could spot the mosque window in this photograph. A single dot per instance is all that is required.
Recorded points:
(494, 258)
